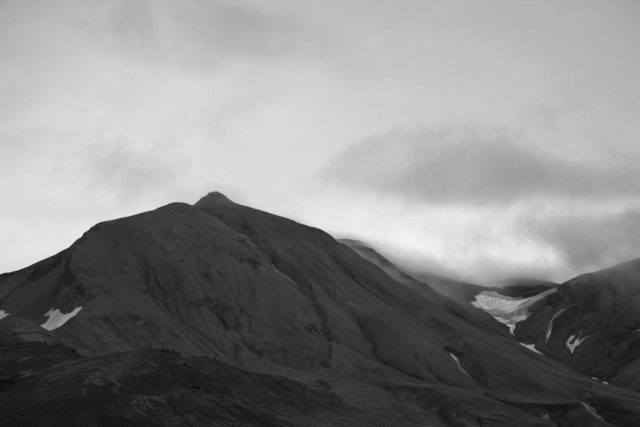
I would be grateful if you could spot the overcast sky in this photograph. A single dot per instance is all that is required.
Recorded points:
(483, 138)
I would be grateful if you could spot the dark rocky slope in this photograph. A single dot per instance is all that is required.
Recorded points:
(51, 385)
(451, 294)
(592, 323)
(267, 295)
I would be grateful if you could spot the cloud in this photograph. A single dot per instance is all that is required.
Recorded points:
(201, 34)
(89, 167)
(471, 166)
(489, 204)
(109, 108)
(586, 241)
(128, 172)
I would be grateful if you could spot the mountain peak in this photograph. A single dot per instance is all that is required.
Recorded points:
(213, 199)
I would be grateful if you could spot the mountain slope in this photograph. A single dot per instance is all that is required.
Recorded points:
(151, 387)
(265, 294)
(444, 292)
(592, 324)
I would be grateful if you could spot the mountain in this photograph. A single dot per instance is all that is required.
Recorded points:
(445, 292)
(461, 292)
(523, 287)
(217, 312)
(484, 304)
(592, 324)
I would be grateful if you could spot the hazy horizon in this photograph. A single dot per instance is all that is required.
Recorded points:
(488, 139)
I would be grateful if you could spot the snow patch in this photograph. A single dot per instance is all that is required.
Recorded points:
(599, 380)
(56, 318)
(508, 310)
(550, 326)
(531, 347)
(573, 341)
(590, 409)
(455, 359)
(3, 314)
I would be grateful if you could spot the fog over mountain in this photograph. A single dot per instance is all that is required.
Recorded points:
(565, 215)
(492, 139)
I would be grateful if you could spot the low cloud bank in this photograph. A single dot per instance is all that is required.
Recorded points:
(540, 212)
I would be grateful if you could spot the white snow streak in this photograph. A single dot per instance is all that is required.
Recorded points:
(508, 310)
(531, 347)
(550, 326)
(598, 379)
(573, 341)
(58, 318)
(3, 314)
(284, 275)
(455, 359)
(590, 409)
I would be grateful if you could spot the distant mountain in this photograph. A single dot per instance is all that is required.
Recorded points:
(592, 323)
(525, 287)
(462, 292)
(470, 297)
(220, 313)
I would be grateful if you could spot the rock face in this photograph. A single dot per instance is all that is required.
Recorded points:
(264, 298)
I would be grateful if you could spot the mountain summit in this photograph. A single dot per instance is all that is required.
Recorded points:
(213, 199)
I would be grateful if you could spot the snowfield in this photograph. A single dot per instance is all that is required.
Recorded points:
(56, 318)
(508, 310)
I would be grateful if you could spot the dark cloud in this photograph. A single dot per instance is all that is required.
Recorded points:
(471, 167)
